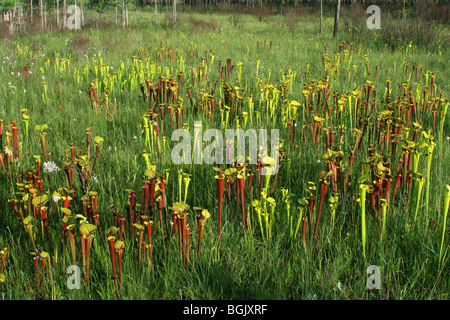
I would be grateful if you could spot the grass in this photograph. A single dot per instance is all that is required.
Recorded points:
(246, 265)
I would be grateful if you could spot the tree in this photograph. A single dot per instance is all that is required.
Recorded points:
(336, 17)
(321, 16)
(174, 15)
(156, 12)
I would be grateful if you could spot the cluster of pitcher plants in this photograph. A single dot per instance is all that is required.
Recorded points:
(377, 152)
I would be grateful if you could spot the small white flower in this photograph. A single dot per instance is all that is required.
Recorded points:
(56, 198)
(95, 179)
(339, 287)
(318, 161)
(8, 151)
(50, 166)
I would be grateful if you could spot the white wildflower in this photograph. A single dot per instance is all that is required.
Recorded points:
(8, 151)
(50, 166)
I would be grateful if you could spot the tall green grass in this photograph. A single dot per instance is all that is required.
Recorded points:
(245, 266)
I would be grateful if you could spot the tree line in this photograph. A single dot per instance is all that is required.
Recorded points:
(15, 12)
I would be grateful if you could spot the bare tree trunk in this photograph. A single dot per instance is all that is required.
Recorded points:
(260, 15)
(57, 14)
(45, 14)
(116, 15)
(174, 14)
(321, 16)
(156, 12)
(404, 11)
(64, 14)
(11, 19)
(42, 14)
(77, 18)
(336, 17)
(123, 13)
(31, 11)
(126, 11)
(82, 14)
(19, 16)
(11, 22)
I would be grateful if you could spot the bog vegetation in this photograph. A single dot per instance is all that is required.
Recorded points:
(87, 178)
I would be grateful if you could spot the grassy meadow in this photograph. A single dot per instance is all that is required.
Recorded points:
(363, 177)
